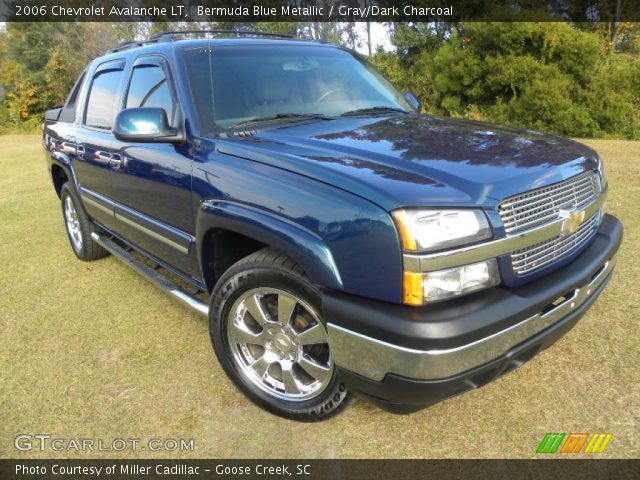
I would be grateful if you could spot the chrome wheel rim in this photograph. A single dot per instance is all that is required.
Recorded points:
(72, 222)
(280, 344)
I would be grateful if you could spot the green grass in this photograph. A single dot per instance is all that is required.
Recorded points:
(92, 349)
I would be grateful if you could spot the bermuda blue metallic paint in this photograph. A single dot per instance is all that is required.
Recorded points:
(303, 245)
(343, 241)
(418, 160)
(154, 182)
(327, 186)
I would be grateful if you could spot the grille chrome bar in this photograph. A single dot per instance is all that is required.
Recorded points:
(530, 259)
(543, 205)
(526, 198)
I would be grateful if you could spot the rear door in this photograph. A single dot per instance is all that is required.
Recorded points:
(152, 182)
(94, 151)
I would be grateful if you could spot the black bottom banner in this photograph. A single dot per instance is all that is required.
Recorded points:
(319, 469)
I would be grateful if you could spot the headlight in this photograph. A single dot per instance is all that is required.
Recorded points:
(421, 288)
(427, 230)
(423, 230)
(603, 177)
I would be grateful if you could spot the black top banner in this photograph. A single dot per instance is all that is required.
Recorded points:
(318, 10)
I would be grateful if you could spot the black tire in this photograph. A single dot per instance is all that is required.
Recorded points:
(86, 249)
(269, 269)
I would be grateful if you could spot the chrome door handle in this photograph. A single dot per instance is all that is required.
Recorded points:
(115, 162)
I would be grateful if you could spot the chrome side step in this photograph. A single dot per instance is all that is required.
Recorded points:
(152, 275)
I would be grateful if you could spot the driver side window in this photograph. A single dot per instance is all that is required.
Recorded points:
(149, 88)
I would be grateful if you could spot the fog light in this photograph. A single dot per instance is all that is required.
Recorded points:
(457, 281)
(421, 288)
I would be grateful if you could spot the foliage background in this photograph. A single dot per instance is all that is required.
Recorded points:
(567, 78)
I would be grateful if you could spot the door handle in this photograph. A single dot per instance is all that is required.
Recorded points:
(115, 161)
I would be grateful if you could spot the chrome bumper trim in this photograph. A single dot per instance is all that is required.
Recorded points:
(495, 248)
(373, 358)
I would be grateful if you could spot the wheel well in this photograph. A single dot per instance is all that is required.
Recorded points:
(221, 249)
(59, 178)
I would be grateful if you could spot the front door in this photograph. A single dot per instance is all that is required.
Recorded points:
(152, 181)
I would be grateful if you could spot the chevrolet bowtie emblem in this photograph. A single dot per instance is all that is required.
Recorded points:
(572, 221)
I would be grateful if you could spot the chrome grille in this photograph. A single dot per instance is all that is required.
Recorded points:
(543, 253)
(540, 206)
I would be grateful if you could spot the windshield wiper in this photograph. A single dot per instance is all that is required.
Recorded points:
(372, 111)
(282, 116)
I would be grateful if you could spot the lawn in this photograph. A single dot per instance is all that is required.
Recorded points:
(94, 350)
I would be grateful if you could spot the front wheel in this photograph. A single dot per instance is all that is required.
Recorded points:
(270, 338)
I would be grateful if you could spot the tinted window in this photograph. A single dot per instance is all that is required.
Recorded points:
(149, 88)
(73, 97)
(103, 99)
(232, 84)
(68, 113)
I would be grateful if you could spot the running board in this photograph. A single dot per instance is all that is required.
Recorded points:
(160, 281)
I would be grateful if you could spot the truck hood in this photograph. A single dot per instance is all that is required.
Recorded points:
(415, 160)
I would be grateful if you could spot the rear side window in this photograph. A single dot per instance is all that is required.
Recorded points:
(103, 99)
(149, 88)
(68, 113)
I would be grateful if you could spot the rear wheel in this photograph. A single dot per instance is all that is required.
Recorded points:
(269, 336)
(79, 227)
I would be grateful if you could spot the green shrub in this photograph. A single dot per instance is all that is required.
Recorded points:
(546, 76)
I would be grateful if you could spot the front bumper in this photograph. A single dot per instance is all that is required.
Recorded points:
(405, 358)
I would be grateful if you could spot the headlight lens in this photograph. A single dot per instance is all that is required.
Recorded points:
(423, 230)
(603, 177)
(603, 184)
(421, 288)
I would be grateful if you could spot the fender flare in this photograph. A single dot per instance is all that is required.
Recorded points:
(63, 161)
(307, 248)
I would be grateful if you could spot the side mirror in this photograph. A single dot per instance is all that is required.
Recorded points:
(145, 125)
(413, 101)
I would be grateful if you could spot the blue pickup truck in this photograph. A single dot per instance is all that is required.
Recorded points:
(338, 241)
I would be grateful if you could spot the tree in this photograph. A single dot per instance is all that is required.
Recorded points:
(40, 62)
(550, 76)
(412, 38)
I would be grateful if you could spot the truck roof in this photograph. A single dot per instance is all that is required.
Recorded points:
(166, 41)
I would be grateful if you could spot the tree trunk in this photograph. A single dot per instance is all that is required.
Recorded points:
(616, 22)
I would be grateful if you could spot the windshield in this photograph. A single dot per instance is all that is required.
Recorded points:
(235, 84)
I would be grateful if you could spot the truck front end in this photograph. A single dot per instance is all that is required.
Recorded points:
(484, 291)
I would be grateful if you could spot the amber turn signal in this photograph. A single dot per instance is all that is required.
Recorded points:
(412, 289)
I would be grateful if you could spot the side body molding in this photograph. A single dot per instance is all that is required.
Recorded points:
(299, 243)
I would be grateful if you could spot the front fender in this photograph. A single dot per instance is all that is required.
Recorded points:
(344, 242)
(302, 245)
